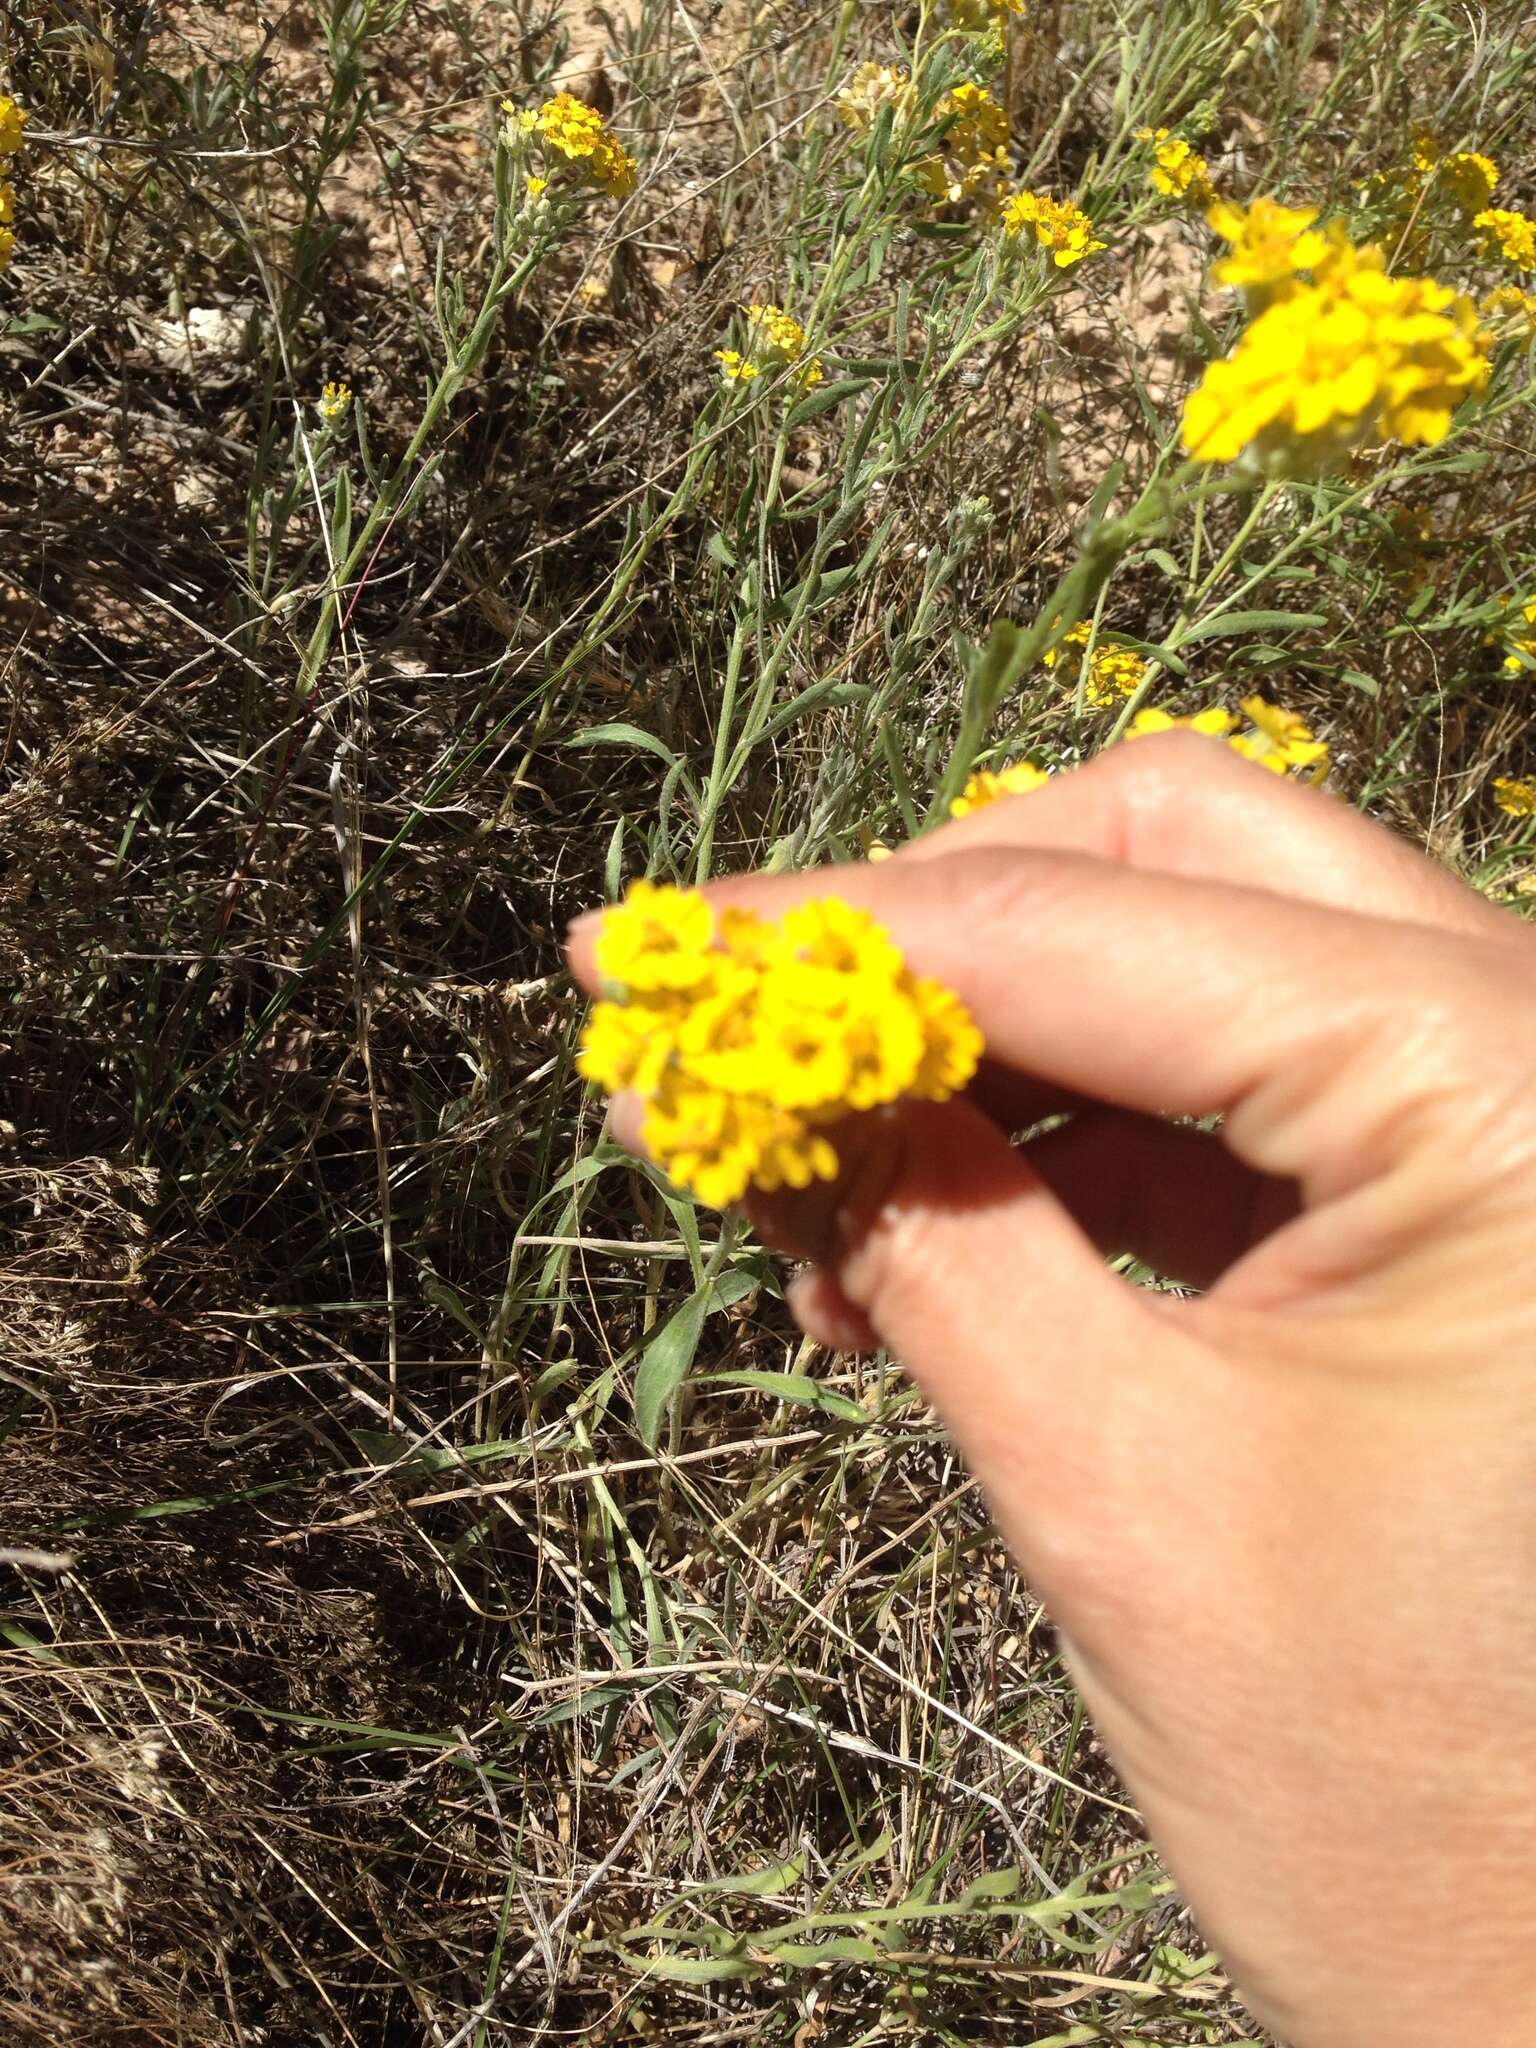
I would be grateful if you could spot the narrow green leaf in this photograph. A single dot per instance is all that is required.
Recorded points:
(1226, 623)
(768, 1883)
(792, 1386)
(665, 1362)
(622, 735)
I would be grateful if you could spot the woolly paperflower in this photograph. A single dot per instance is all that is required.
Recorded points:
(1214, 722)
(989, 786)
(1353, 358)
(1509, 235)
(1522, 646)
(749, 1039)
(1057, 225)
(1178, 170)
(1279, 741)
(973, 153)
(576, 139)
(13, 121)
(1271, 243)
(1113, 672)
(334, 402)
(871, 87)
(776, 341)
(1506, 302)
(1518, 799)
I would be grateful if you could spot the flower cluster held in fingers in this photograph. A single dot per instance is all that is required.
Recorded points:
(989, 786)
(1351, 358)
(775, 340)
(1112, 673)
(1055, 224)
(13, 121)
(750, 1039)
(1276, 739)
(1178, 169)
(576, 144)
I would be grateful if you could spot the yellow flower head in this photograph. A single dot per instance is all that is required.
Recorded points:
(13, 121)
(973, 152)
(1213, 722)
(576, 141)
(1279, 741)
(1518, 799)
(658, 941)
(776, 341)
(750, 1040)
(1270, 244)
(1507, 303)
(734, 367)
(334, 402)
(1521, 647)
(1113, 672)
(1056, 225)
(978, 16)
(1469, 178)
(7, 203)
(1354, 358)
(871, 87)
(1507, 235)
(988, 786)
(7, 248)
(1178, 170)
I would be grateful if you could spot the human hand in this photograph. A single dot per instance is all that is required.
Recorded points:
(1288, 1528)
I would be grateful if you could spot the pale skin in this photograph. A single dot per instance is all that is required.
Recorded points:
(1287, 1526)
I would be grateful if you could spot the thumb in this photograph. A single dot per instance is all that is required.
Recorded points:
(945, 1246)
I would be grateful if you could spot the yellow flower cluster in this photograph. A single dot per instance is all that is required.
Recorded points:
(870, 88)
(989, 786)
(1509, 235)
(981, 15)
(1057, 225)
(575, 140)
(1113, 673)
(13, 121)
(777, 341)
(334, 402)
(1214, 722)
(1178, 169)
(1507, 302)
(750, 1039)
(1468, 177)
(1517, 798)
(1522, 646)
(1271, 245)
(1353, 357)
(973, 154)
(1277, 740)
